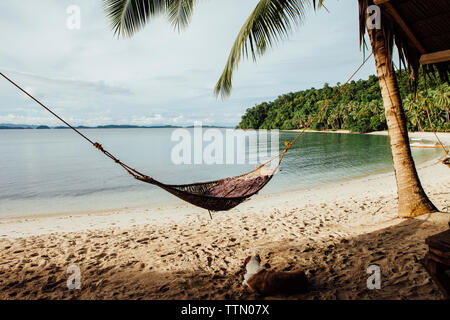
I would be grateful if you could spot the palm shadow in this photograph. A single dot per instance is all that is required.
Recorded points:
(337, 269)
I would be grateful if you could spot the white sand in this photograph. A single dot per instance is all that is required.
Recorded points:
(334, 233)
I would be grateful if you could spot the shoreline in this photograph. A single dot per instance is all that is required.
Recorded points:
(425, 135)
(332, 232)
(174, 211)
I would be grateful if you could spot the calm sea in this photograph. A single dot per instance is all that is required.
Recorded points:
(55, 171)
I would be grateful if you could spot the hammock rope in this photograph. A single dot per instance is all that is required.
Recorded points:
(97, 145)
(218, 195)
(289, 144)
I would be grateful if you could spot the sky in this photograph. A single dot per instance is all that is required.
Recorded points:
(161, 76)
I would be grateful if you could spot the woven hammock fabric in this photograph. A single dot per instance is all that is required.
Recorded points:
(219, 195)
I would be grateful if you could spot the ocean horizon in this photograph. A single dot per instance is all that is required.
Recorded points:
(54, 171)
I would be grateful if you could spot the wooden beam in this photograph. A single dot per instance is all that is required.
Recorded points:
(394, 13)
(378, 2)
(435, 57)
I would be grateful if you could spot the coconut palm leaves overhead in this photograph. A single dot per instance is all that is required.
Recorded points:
(180, 12)
(269, 22)
(129, 16)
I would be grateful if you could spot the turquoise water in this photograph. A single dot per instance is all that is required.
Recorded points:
(55, 171)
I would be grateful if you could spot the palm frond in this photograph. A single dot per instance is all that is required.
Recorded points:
(269, 22)
(318, 4)
(180, 12)
(128, 16)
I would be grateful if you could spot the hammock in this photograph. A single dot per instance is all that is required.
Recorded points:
(446, 160)
(218, 195)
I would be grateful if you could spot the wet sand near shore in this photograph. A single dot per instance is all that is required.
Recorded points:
(333, 233)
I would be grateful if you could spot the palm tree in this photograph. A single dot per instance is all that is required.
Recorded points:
(271, 21)
(412, 200)
(441, 97)
(412, 108)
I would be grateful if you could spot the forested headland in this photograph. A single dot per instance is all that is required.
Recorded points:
(358, 108)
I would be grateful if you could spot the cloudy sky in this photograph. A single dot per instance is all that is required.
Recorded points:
(160, 76)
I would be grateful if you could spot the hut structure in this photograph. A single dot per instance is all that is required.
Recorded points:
(420, 30)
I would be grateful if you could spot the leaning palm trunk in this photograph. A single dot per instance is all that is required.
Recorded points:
(271, 21)
(412, 200)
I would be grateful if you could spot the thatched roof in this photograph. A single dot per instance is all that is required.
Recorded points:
(429, 21)
(420, 29)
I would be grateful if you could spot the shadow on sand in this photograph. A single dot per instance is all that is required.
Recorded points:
(337, 270)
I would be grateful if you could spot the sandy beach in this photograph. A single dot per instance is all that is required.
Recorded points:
(333, 233)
